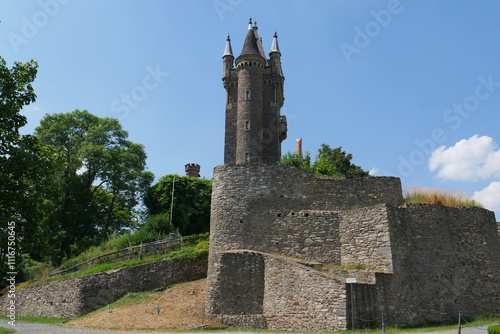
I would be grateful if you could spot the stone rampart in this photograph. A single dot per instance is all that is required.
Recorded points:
(72, 297)
(278, 209)
(446, 261)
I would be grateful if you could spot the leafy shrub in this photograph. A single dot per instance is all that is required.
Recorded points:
(494, 329)
(331, 162)
(109, 246)
(203, 244)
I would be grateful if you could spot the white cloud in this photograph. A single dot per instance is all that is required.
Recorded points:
(470, 159)
(375, 171)
(31, 108)
(489, 197)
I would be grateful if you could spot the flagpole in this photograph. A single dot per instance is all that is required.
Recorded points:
(172, 202)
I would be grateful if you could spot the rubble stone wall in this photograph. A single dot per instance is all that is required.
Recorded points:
(72, 297)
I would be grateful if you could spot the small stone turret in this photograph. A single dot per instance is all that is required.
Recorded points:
(192, 170)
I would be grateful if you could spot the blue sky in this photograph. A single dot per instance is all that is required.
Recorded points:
(410, 88)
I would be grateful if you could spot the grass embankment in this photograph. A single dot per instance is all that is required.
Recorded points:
(443, 197)
(188, 251)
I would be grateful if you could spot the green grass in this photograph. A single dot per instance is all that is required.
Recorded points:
(480, 321)
(112, 245)
(188, 252)
(476, 322)
(494, 329)
(6, 330)
(38, 320)
(358, 266)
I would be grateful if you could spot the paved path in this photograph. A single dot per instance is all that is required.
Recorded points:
(32, 328)
(465, 330)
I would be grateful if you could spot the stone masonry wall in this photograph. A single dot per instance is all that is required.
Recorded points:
(72, 297)
(288, 295)
(308, 235)
(299, 298)
(365, 238)
(446, 261)
(262, 208)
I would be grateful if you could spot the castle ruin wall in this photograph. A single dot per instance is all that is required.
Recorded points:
(72, 297)
(446, 261)
(257, 290)
(282, 209)
(365, 239)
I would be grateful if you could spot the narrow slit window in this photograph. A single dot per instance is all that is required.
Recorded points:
(247, 95)
(247, 125)
(247, 157)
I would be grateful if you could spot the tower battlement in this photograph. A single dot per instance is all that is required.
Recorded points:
(192, 170)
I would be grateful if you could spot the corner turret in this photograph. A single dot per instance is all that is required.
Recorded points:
(192, 170)
(228, 58)
(275, 56)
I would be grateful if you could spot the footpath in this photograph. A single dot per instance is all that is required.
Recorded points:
(32, 328)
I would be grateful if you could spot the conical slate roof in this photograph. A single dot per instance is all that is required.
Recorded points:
(253, 43)
(274, 46)
(228, 51)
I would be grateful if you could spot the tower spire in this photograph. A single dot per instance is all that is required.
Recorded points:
(228, 51)
(274, 45)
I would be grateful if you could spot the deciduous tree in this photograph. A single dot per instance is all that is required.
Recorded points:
(191, 205)
(330, 162)
(99, 185)
(24, 163)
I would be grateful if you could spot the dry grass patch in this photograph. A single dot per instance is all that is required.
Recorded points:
(455, 198)
(181, 307)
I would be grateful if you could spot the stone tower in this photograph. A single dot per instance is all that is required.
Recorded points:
(192, 170)
(254, 126)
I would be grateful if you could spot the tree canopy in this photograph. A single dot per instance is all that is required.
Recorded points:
(97, 186)
(19, 154)
(191, 205)
(329, 161)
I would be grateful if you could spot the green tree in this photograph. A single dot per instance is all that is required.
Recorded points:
(335, 162)
(15, 149)
(191, 205)
(293, 159)
(24, 164)
(331, 162)
(95, 192)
